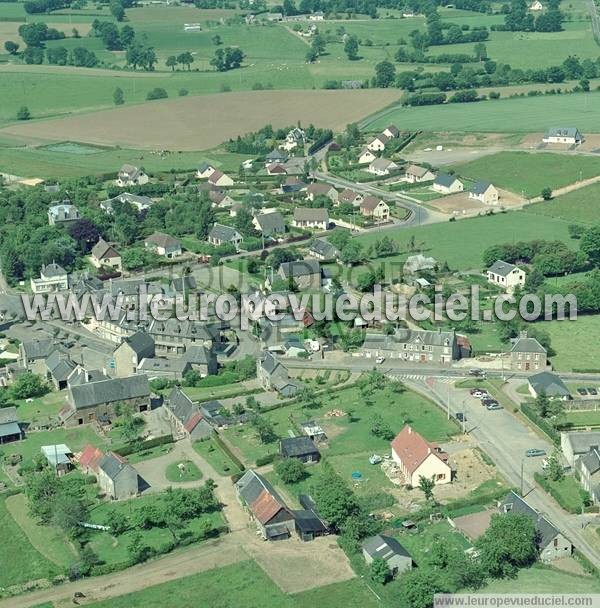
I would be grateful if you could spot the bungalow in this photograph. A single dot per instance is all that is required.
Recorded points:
(269, 224)
(97, 400)
(306, 274)
(447, 184)
(164, 245)
(273, 375)
(59, 457)
(52, 278)
(127, 357)
(563, 135)
(62, 215)
(301, 448)
(527, 354)
(551, 544)
(276, 156)
(382, 166)
(549, 384)
(366, 156)
(505, 275)
(388, 549)
(351, 197)
(10, 429)
(418, 458)
(376, 208)
(106, 255)
(33, 354)
(220, 235)
(311, 217)
(218, 178)
(416, 174)
(220, 199)
(185, 417)
(377, 143)
(141, 203)
(316, 189)
(273, 518)
(322, 249)
(575, 444)
(205, 170)
(485, 192)
(391, 131)
(116, 477)
(131, 176)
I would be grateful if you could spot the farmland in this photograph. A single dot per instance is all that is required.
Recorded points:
(529, 173)
(581, 206)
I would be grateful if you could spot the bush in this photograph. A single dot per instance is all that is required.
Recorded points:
(267, 459)
(23, 113)
(156, 93)
(183, 92)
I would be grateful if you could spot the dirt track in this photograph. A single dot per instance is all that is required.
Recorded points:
(202, 122)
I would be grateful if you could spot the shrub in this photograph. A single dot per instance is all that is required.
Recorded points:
(156, 93)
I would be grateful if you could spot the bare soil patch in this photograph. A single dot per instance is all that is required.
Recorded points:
(460, 204)
(197, 123)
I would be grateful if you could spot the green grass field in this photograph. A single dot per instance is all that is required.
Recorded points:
(189, 472)
(528, 173)
(582, 419)
(20, 561)
(578, 207)
(524, 115)
(216, 457)
(247, 585)
(568, 493)
(543, 579)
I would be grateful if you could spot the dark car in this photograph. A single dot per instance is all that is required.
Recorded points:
(592, 391)
(460, 417)
(475, 371)
(582, 391)
(533, 452)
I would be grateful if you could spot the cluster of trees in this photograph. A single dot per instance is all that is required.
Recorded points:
(439, 33)
(519, 19)
(317, 48)
(35, 34)
(266, 138)
(185, 58)
(405, 55)
(228, 58)
(44, 6)
(113, 38)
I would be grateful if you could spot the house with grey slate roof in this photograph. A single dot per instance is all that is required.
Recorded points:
(116, 477)
(33, 354)
(484, 192)
(225, 235)
(306, 274)
(59, 368)
(185, 417)
(563, 135)
(130, 353)
(97, 400)
(164, 245)
(273, 375)
(447, 184)
(527, 354)
(10, 429)
(301, 448)
(549, 384)
(576, 444)
(505, 275)
(322, 249)
(269, 224)
(62, 214)
(388, 549)
(161, 367)
(53, 277)
(311, 217)
(129, 175)
(551, 544)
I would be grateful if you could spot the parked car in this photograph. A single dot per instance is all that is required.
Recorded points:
(489, 401)
(475, 371)
(493, 407)
(582, 391)
(460, 417)
(533, 452)
(592, 391)
(380, 360)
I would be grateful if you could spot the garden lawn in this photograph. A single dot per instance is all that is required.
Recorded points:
(247, 585)
(568, 493)
(578, 207)
(190, 472)
(583, 418)
(210, 450)
(529, 173)
(42, 409)
(20, 561)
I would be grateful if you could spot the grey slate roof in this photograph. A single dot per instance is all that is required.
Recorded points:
(53, 270)
(109, 391)
(300, 268)
(501, 268)
(223, 233)
(591, 462)
(270, 223)
(527, 345)
(550, 384)
(251, 485)
(580, 442)
(112, 464)
(323, 247)
(160, 239)
(197, 354)
(160, 364)
(443, 179)
(308, 214)
(183, 408)
(59, 365)
(141, 343)
(38, 349)
(276, 156)
(187, 282)
(480, 187)
(383, 547)
(409, 336)
(562, 132)
(297, 446)
(8, 415)
(513, 503)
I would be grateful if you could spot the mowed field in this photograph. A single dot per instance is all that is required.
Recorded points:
(580, 206)
(527, 173)
(522, 114)
(195, 123)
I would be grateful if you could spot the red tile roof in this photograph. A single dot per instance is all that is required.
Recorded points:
(413, 449)
(90, 457)
(265, 507)
(191, 424)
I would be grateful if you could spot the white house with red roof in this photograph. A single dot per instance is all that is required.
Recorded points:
(418, 458)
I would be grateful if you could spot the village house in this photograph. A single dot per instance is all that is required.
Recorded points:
(377, 143)
(366, 156)
(292, 185)
(96, 401)
(273, 518)
(319, 189)
(391, 131)
(417, 457)
(89, 459)
(549, 384)
(269, 224)
(106, 255)
(218, 178)
(375, 208)
(225, 235)
(62, 215)
(141, 203)
(59, 457)
(388, 549)
(276, 169)
(527, 354)
(505, 275)
(117, 479)
(164, 245)
(52, 278)
(205, 170)
(418, 263)
(301, 448)
(59, 368)
(10, 429)
(173, 337)
(201, 359)
(273, 375)
(563, 135)
(295, 137)
(128, 356)
(576, 444)
(311, 217)
(306, 274)
(485, 192)
(588, 470)
(131, 176)
(422, 346)
(33, 354)
(415, 174)
(185, 417)
(382, 166)
(275, 156)
(220, 199)
(551, 544)
(322, 249)
(351, 197)
(536, 5)
(447, 184)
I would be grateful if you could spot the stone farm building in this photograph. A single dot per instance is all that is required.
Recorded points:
(527, 354)
(185, 417)
(116, 477)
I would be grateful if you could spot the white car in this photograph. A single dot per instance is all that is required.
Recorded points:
(380, 360)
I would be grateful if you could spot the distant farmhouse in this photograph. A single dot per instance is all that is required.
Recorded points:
(131, 176)
(505, 275)
(563, 135)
